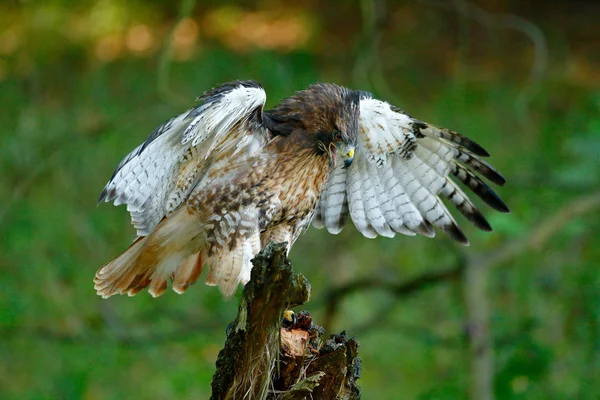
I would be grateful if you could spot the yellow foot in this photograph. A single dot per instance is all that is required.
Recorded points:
(289, 319)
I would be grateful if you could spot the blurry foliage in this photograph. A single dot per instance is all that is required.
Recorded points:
(80, 87)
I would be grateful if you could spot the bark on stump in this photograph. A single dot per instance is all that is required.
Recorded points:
(263, 360)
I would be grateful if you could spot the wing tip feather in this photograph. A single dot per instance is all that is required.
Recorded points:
(498, 179)
(106, 195)
(480, 222)
(424, 229)
(335, 230)
(480, 188)
(497, 203)
(457, 234)
(476, 148)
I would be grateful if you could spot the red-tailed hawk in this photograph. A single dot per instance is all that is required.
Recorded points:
(213, 185)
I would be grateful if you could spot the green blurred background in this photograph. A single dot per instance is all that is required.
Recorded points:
(83, 82)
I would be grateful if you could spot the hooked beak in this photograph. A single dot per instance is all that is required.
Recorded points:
(348, 158)
(345, 152)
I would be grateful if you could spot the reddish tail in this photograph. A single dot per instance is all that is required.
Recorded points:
(172, 251)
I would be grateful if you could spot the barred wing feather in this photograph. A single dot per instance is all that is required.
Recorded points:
(156, 178)
(401, 170)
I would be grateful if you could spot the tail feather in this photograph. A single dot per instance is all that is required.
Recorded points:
(138, 285)
(120, 272)
(188, 273)
(171, 252)
(176, 251)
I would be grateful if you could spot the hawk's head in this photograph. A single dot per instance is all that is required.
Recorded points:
(323, 117)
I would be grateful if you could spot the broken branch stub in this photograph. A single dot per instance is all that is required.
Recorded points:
(262, 360)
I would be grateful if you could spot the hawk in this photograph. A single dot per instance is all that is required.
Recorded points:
(210, 187)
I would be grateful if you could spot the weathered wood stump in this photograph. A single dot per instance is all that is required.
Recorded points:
(264, 360)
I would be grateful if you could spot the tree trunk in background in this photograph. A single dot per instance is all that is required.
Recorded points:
(481, 345)
(263, 360)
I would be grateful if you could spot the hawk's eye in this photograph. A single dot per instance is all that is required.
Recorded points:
(337, 135)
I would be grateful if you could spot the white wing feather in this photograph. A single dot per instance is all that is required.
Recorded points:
(400, 169)
(155, 178)
(333, 201)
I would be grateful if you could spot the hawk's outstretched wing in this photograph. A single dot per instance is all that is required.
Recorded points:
(155, 178)
(401, 169)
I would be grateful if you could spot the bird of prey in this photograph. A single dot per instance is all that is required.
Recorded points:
(210, 187)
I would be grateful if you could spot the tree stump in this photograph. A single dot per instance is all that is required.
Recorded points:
(264, 360)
